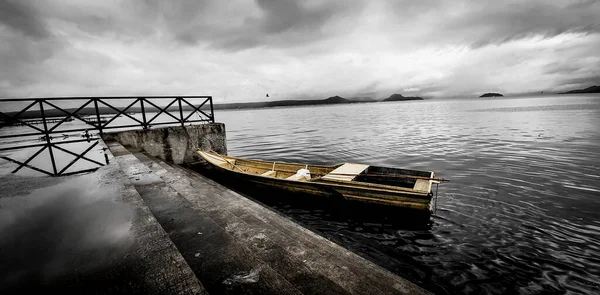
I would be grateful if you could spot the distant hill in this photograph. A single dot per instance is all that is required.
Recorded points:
(491, 94)
(400, 97)
(335, 99)
(591, 89)
(283, 103)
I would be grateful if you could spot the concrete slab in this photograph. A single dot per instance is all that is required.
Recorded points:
(222, 263)
(274, 255)
(301, 256)
(88, 234)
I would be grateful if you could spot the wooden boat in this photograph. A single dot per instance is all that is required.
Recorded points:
(358, 182)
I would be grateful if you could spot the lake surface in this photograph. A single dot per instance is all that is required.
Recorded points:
(521, 213)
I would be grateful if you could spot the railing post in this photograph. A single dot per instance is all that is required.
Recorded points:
(212, 112)
(180, 111)
(145, 124)
(98, 115)
(48, 140)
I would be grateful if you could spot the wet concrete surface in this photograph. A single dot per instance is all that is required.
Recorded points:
(89, 234)
(141, 226)
(235, 245)
(219, 261)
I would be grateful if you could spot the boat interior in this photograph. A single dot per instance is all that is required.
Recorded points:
(347, 172)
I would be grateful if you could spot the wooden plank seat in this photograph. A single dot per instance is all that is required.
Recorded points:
(346, 172)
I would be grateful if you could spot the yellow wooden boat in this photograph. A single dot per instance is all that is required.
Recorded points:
(358, 182)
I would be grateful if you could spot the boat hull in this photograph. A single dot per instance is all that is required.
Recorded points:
(420, 203)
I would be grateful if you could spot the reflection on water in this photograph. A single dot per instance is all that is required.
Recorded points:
(519, 215)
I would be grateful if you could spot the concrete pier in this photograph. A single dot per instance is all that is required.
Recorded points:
(174, 144)
(235, 245)
(141, 225)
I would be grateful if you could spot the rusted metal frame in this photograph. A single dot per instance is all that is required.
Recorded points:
(47, 135)
(77, 155)
(165, 110)
(82, 155)
(197, 109)
(69, 114)
(27, 165)
(30, 158)
(121, 112)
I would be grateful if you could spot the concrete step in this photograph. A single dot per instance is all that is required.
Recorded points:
(276, 238)
(221, 263)
(88, 233)
(254, 235)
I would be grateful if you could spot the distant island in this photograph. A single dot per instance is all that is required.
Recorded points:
(491, 94)
(591, 89)
(400, 97)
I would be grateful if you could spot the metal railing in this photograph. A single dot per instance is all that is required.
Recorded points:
(98, 114)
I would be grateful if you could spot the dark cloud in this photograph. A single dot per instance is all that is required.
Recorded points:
(229, 25)
(21, 17)
(574, 83)
(479, 23)
(280, 23)
(561, 68)
(70, 46)
(500, 24)
(281, 16)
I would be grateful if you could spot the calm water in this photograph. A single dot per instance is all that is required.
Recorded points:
(522, 210)
(520, 215)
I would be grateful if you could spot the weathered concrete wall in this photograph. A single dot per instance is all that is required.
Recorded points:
(175, 144)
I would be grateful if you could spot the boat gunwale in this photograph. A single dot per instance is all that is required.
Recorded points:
(389, 198)
(270, 162)
(327, 182)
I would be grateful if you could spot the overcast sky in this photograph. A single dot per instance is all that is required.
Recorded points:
(239, 50)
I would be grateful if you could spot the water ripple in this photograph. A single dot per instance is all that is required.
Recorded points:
(519, 216)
